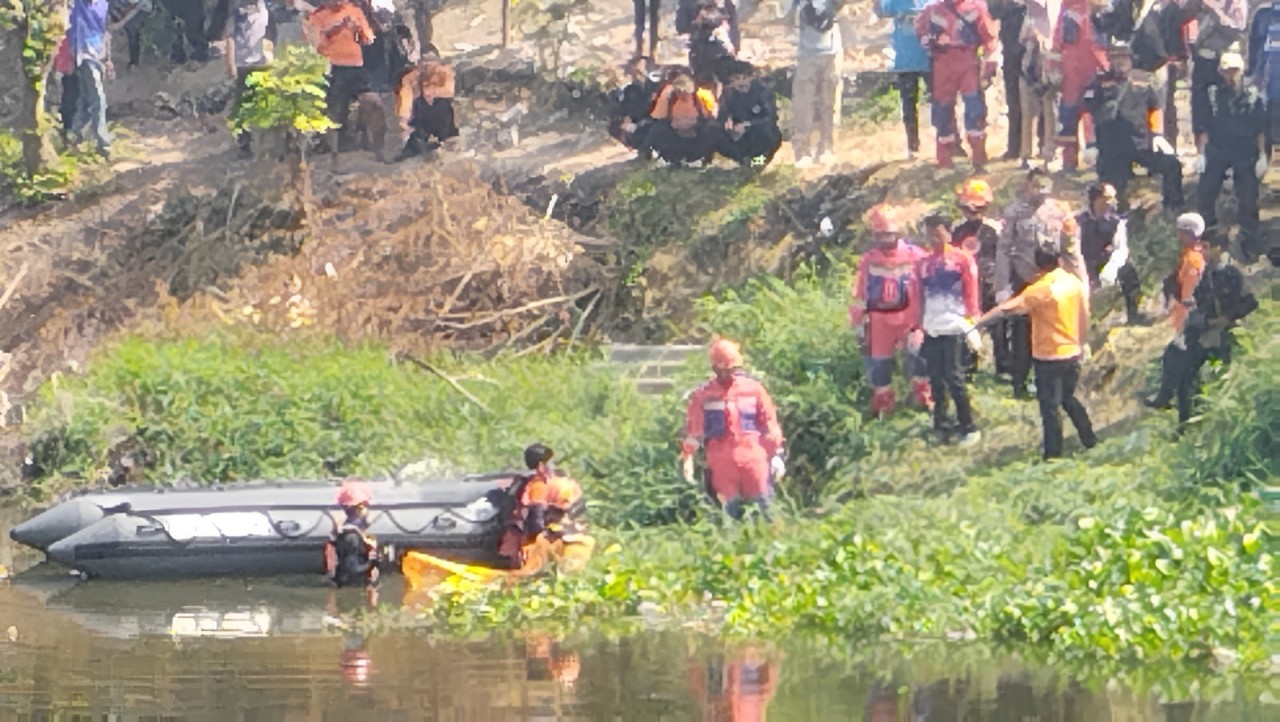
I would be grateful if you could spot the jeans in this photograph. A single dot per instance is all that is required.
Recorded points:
(909, 90)
(91, 104)
(943, 355)
(1056, 388)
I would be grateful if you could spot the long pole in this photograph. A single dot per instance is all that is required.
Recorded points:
(506, 23)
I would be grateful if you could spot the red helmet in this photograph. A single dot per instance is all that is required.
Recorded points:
(354, 493)
(884, 218)
(725, 354)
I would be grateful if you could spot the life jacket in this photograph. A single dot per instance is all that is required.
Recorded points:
(554, 508)
(351, 556)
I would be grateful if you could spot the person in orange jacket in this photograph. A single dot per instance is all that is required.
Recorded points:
(551, 507)
(1079, 56)
(1178, 366)
(734, 417)
(886, 309)
(960, 37)
(351, 553)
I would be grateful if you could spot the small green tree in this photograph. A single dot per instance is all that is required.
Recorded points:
(288, 97)
(29, 34)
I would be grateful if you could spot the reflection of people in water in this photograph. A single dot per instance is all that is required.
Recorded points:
(355, 662)
(736, 687)
(547, 659)
(882, 702)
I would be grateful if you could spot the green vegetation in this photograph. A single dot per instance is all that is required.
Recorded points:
(287, 96)
(71, 170)
(1148, 550)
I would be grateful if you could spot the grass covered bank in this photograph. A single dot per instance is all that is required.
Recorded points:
(1147, 550)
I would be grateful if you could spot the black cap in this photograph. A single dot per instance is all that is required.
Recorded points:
(537, 454)
(1118, 46)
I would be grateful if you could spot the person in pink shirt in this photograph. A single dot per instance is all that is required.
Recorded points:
(734, 418)
(886, 310)
(949, 301)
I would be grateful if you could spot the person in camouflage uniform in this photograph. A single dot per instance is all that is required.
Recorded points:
(1033, 221)
(979, 235)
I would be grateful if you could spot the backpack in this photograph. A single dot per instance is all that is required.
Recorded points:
(820, 20)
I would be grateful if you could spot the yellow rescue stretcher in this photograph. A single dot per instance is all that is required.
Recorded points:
(424, 571)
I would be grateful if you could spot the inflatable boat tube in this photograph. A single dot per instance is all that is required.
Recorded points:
(264, 530)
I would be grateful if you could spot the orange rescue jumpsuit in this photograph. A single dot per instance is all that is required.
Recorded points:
(738, 424)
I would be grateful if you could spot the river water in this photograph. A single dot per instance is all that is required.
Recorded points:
(270, 650)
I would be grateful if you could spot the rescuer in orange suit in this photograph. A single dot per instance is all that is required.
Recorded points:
(550, 510)
(734, 417)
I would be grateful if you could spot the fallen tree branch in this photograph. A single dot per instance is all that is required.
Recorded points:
(13, 285)
(512, 340)
(516, 311)
(582, 320)
(447, 379)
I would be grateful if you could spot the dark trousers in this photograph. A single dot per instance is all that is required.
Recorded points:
(1012, 74)
(434, 119)
(1056, 388)
(1273, 127)
(1245, 181)
(345, 84)
(191, 14)
(943, 355)
(909, 90)
(1115, 166)
(1180, 377)
(70, 97)
(1204, 73)
(757, 141)
(653, 8)
(675, 148)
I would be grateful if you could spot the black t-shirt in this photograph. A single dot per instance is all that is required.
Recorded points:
(1236, 117)
(756, 104)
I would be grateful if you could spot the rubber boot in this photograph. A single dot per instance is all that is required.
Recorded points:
(979, 145)
(923, 392)
(944, 153)
(1070, 155)
(1131, 309)
(882, 402)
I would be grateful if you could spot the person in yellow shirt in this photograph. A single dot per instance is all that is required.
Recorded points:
(1058, 306)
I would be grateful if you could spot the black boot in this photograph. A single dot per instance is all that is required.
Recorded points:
(1131, 310)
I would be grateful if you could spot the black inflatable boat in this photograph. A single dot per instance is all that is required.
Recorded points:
(260, 529)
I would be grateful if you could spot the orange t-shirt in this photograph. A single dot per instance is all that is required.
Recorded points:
(683, 109)
(1191, 265)
(1059, 315)
(341, 45)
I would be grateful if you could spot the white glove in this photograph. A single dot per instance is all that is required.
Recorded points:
(1090, 156)
(1108, 275)
(1180, 341)
(1160, 145)
(1260, 168)
(686, 469)
(778, 467)
(1201, 163)
(1088, 353)
(1002, 296)
(826, 227)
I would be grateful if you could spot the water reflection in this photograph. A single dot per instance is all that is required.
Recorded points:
(268, 650)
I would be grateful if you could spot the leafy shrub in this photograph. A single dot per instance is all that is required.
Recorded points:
(70, 171)
(289, 95)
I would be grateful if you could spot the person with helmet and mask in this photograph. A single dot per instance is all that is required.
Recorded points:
(961, 39)
(351, 553)
(548, 516)
(1235, 140)
(1032, 222)
(886, 309)
(1127, 127)
(1180, 356)
(734, 418)
(980, 236)
(1082, 56)
(1104, 243)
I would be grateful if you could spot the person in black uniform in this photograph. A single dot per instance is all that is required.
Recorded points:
(1127, 126)
(1235, 139)
(190, 13)
(1115, 19)
(629, 120)
(1011, 14)
(1104, 243)
(749, 113)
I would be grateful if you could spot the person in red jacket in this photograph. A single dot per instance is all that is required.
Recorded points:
(886, 310)
(733, 416)
(961, 40)
(1082, 55)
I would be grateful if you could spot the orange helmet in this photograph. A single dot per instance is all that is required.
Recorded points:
(883, 218)
(354, 493)
(974, 193)
(725, 354)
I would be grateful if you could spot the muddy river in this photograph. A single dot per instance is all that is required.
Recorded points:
(274, 650)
